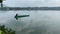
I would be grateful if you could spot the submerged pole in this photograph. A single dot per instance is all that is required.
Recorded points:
(1, 5)
(1, 1)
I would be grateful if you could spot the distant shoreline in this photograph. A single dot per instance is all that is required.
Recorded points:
(30, 8)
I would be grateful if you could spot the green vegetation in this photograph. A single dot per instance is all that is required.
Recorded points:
(4, 30)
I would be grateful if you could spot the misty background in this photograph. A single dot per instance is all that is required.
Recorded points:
(32, 3)
(39, 22)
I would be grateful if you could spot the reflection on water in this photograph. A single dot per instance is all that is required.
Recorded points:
(39, 22)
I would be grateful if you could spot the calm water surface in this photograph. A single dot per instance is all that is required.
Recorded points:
(39, 22)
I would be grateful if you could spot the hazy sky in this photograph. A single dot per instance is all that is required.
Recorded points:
(31, 3)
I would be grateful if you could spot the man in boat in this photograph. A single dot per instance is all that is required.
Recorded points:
(20, 16)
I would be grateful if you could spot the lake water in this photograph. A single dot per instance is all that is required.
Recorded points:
(39, 22)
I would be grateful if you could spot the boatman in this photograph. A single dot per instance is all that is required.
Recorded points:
(17, 16)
